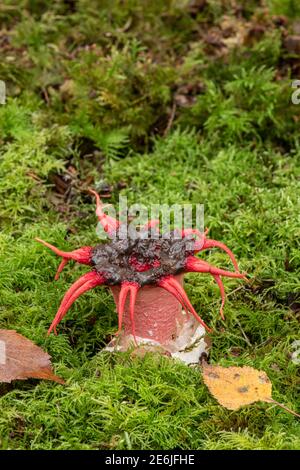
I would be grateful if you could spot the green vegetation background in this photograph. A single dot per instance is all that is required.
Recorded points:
(171, 101)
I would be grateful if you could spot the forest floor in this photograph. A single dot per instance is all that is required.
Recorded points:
(159, 101)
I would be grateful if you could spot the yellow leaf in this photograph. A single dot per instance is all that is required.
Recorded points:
(234, 387)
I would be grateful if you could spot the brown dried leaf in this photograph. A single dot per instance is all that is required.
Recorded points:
(21, 359)
(234, 387)
(67, 89)
(292, 44)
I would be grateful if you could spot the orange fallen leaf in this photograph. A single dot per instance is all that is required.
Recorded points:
(234, 387)
(21, 359)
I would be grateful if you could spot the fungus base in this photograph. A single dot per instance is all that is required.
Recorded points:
(161, 325)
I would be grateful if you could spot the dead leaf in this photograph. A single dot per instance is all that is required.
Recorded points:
(234, 387)
(21, 359)
(67, 89)
(292, 44)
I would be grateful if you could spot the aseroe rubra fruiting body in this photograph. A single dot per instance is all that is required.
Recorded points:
(136, 262)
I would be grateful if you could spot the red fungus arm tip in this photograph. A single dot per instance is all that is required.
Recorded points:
(170, 284)
(82, 255)
(199, 241)
(215, 244)
(84, 283)
(194, 264)
(150, 224)
(132, 288)
(61, 266)
(222, 292)
(109, 224)
(121, 305)
(133, 294)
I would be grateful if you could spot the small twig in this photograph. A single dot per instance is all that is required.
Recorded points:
(235, 290)
(264, 343)
(203, 362)
(270, 400)
(46, 96)
(171, 119)
(244, 334)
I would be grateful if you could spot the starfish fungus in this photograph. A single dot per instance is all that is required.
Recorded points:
(145, 276)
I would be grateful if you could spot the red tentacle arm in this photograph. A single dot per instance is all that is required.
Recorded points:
(200, 237)
(132, 288)
(172, 290)
(121, 305)
(203, 243)
(82, 255)
(84, 283)
(109, 224)
(196, 265)
(133, 293)
(151, 224)
(61, 266)
(222, 292)
(74, 287)
(170, 284)
(199, 241)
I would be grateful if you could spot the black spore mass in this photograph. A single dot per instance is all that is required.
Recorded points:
(142, 259)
